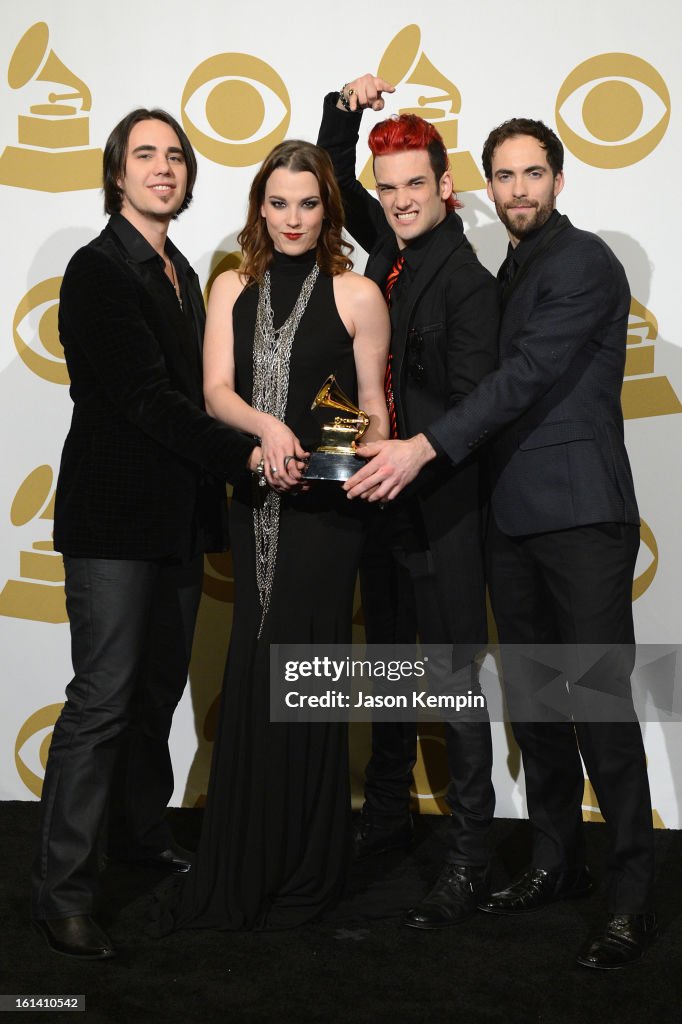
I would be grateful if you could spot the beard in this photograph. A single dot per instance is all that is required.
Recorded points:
(521, 225)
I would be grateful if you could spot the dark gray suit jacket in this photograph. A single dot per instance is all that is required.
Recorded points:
(551, 414)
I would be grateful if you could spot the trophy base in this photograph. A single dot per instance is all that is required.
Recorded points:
(333, 466)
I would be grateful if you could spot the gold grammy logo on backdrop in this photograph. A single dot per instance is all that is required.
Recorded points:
(225, 107)
(405, 64)
(644, 394)
(614, 95)
(39, 593)
(591, 810)
(431, 775)
(35, 323)
(641, 583)
(53, 154)
(219, 577)
(41, 721)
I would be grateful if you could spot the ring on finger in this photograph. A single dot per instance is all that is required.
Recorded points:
(273, 470)
(287, 460)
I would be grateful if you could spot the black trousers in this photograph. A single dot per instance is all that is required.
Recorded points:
(574, 587)
(132, 624)
(400, 598)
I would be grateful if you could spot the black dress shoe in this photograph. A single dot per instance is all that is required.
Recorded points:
(455, 896)
(537, 889)
(76, 936)
(622, 942)
(173, 859)
(373, 836)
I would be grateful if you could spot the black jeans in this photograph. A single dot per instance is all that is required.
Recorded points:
(401, 597)
(132, 624)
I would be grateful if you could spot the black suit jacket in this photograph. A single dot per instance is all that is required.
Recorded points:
(551, 412)
(451, 310)
(133, 481)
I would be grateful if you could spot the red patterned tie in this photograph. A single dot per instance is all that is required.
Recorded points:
(393, 275)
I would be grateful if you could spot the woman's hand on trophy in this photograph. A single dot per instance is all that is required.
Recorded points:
(284, 460)
(364, 92)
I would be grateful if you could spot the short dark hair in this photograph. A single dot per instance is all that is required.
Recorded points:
(549, 141)
(116, 151)
(407, 132)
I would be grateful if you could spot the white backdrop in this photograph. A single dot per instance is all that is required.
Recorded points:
(607, 75)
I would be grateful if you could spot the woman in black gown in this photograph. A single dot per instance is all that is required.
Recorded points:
(275, 837)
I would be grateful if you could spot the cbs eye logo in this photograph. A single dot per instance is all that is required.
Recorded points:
(431, 777)
(32, 745)
(226, 113)
(36, 334)
(622, 102)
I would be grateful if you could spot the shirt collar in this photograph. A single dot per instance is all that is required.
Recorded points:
(137, 246)
(527, 244)
(415, 252)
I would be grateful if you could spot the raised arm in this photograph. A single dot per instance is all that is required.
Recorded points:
(277, 441)
(365, 91)
(338, 134)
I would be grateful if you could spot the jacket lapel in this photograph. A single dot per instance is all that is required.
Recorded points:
(448, 240)
(546, 242)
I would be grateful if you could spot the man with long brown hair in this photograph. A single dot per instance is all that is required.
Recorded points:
(136, 505)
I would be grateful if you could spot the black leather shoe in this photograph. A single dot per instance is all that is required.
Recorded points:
(622, 942)
(173, 859)
(76, 936)
(537, 889)
(455, 896)
(373, 836)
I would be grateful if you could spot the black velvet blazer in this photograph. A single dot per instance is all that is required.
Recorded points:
(134, 475)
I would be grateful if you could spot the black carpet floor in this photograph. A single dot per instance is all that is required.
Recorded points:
(359, 965)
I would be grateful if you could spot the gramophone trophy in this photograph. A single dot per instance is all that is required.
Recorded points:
(343, 424)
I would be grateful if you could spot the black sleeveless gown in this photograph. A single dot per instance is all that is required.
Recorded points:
(275, 839)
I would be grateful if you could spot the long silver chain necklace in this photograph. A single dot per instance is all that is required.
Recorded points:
(271, 359)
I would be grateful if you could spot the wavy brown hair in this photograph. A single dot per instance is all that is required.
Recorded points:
(256, 244)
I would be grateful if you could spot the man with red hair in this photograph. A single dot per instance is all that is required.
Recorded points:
(423, 562)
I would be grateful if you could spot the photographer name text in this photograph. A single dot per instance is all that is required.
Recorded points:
(421, 699)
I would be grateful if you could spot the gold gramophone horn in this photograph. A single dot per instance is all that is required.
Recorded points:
(31, 60)
(332, 396)
(403, 62)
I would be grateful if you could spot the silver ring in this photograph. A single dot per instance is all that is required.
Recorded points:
(287, 460)
(273, 470)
